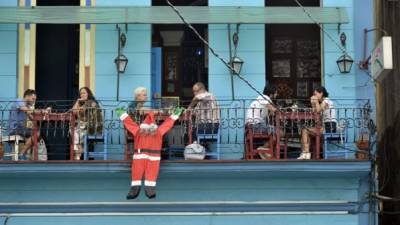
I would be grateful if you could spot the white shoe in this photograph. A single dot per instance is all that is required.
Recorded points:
(305, 155)
(264, 155)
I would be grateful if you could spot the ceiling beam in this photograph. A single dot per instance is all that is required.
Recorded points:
(165, 15)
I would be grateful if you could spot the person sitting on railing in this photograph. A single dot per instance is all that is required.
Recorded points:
(89, 119)
(20, 120)
(148, 143)
(320, 103)
(205, 109)
(257, 115)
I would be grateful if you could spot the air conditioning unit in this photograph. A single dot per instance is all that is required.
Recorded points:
(382, 59)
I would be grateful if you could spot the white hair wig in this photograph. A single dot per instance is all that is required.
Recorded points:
(139, 90)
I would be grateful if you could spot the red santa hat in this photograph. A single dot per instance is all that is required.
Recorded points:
(149, 123)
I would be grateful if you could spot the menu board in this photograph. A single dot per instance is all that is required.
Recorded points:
(308, 64)
(308, 48)
(302, 89)
(172, 64)
(308, 68)
(281, 68)
(282, 46)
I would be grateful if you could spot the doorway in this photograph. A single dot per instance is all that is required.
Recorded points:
(57, 57)
(57, 76)
(184, 57)
(293, 55)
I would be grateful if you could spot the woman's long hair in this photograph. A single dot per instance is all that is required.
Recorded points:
(90, 94)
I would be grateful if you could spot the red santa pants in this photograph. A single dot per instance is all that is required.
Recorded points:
(145, 163)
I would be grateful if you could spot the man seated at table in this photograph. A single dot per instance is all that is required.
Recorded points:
(20, 120)
(257, 115)
(205, 108)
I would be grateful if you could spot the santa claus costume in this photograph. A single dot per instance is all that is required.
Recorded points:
(148, 139)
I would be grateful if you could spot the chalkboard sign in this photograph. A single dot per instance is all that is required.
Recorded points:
(281, 68)
(302, 89)
(308, 68)
(282, 46)
(172, 65)
(308, 48)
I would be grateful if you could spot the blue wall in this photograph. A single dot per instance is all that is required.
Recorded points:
(339, 86)
(354, 85)
(137, 50)
(8, 56)
(363, 19)
(207, 184)
(251, 49)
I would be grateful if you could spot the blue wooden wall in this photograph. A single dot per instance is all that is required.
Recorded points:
(339, 86)
(251, 49)
(137, 50)
(363, 19)
(248, 183)
(8, 56)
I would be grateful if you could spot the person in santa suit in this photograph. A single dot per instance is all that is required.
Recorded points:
(148, 139)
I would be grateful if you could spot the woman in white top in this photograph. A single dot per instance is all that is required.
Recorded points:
(320, 103)
(257, 116)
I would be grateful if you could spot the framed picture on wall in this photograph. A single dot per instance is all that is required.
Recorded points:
(172, 61)
(315, 85)
(171, 88)
(281, 68)
(282, 46)
(302, 89)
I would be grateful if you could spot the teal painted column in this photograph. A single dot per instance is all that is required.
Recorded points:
(251, 49)
(8, 56)
(339, 86)
(137, 50)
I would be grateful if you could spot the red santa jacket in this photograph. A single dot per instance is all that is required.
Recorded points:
(148, 141)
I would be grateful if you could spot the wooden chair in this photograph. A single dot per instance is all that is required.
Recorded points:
(252, 137)
(14, 141)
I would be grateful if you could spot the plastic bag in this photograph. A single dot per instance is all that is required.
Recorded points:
(42, 150)
(194, 151)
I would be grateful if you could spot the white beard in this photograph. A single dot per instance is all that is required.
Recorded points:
(148, 128)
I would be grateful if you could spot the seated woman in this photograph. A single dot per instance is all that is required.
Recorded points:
(89, 119)
(258, 113)
(320, 103)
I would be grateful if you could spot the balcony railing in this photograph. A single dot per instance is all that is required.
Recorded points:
(226, 140)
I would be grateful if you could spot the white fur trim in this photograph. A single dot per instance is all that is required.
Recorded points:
(174, 117)
(144, 156)
(136, 183)
(149, 183)
(145, 126)
(123, 116)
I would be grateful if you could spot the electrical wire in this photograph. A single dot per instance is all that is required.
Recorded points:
(341, 48)
(205, 42)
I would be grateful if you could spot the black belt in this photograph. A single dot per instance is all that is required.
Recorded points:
(147, 151)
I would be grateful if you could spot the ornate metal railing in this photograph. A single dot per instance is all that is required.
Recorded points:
(104, 137)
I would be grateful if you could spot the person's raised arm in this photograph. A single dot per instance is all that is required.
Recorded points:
(169, 122)
(129, 123)
(77, 106)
